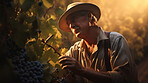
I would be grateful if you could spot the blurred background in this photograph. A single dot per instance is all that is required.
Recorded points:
(29, 22)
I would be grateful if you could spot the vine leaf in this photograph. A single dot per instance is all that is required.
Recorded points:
(27, 5)
(47, 4)
(58, 11)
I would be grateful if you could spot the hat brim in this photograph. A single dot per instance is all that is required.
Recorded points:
(85, 6)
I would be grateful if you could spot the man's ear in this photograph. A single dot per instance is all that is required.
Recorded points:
(91, 18)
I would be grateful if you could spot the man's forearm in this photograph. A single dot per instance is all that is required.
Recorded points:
(95, 76)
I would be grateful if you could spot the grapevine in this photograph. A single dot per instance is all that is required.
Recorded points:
(27, 71)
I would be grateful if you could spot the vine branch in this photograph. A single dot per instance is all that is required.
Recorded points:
(45, 42)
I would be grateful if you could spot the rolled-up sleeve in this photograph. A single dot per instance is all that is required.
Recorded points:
(122, 62)
(73, 51)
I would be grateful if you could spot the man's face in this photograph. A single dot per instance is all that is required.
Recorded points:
(79, 24)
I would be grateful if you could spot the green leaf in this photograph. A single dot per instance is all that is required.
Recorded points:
(38, 48)
(47, 3)
(30, 19)
(46, 28)
(31, 53)
(47, 72)
(59, 11)
(21, 1)
(45, 56)
(52, 22)
(26, 5)
(53, 56)
(20, 34)
(31, 42)
(32, 31)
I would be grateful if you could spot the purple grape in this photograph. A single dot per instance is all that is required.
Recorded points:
(40, 3)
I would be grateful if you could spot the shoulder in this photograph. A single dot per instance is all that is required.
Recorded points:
(115, 36)
(117, 39)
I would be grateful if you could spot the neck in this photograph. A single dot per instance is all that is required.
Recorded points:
(92, 36)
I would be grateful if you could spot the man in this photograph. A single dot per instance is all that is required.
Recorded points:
(100, 56)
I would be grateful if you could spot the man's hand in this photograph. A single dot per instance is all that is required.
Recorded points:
(70, 63)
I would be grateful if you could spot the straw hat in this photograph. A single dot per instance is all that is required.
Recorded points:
(74, 7)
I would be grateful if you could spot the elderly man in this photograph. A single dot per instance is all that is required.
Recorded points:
(100, 56)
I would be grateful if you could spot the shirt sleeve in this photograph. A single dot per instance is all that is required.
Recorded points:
(122, 62)
(73, 51)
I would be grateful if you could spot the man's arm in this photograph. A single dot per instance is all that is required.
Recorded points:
(73, 65)
(94, 76)
(122, 60)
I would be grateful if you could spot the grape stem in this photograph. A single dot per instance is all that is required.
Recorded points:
(53, 49)
(45, 43)
(48, 38)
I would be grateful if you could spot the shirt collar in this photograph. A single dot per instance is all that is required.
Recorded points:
(101, 36)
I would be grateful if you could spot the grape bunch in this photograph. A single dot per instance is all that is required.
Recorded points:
(26, 70)
(57, 79)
